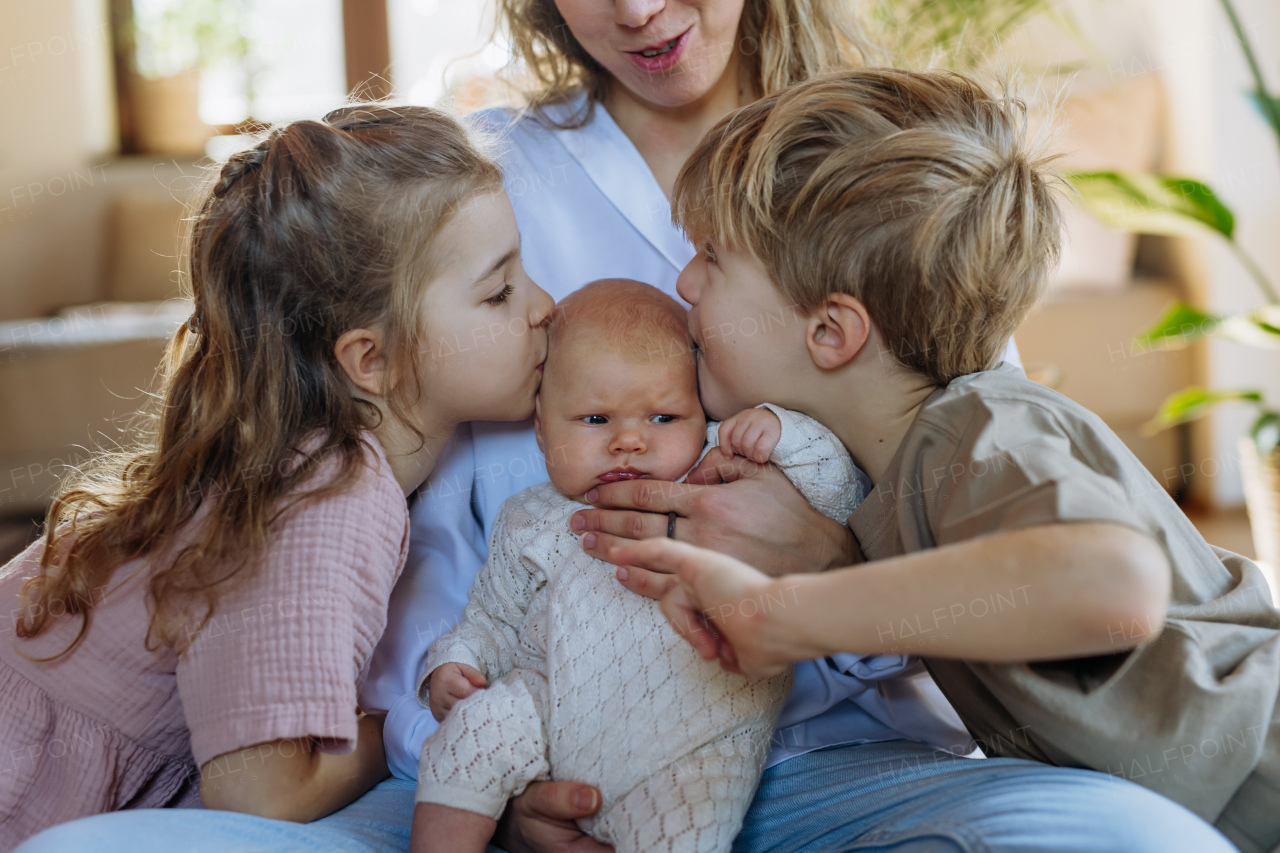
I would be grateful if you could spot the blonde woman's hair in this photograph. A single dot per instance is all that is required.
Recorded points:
(916, 193)
(783, 42)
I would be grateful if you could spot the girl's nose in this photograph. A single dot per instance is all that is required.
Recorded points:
(540, 307)
(636, 13)
(627, 441)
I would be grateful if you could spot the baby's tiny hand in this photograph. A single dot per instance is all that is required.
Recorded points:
(451, 683)
(752, 433)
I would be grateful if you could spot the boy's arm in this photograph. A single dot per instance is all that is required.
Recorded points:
(487, 634)
(1078, 590)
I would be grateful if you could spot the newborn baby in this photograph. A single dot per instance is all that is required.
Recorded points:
(585, 680)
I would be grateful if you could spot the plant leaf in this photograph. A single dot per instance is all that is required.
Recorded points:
(1179, 327)
(1259, 327)
(1153, 204)
(1266, 432)
(1191, 403)
(1267, 105)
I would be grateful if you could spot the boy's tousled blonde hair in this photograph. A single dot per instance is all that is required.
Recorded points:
(915, 193)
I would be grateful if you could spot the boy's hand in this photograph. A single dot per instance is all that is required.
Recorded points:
(722, 606)
(451, 683)
(752, 433)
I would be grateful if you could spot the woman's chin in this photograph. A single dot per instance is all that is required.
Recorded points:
(670, 90)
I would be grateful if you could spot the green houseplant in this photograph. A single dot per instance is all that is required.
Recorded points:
(173, 41)
(957, 34)
(1176, 206)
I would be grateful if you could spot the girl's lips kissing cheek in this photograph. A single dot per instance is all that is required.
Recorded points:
(662, 56)
(619, 474)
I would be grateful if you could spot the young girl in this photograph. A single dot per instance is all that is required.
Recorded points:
(203, 609)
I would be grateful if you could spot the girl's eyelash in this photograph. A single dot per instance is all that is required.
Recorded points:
(502, 295)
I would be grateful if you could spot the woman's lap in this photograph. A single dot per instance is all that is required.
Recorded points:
(904, 797)
(900, 797)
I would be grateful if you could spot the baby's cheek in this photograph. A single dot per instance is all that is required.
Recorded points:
(692, 443)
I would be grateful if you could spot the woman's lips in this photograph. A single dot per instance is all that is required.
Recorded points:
(668, 54)
(617, 475)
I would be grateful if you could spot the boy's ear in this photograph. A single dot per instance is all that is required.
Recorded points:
(836, 331)
(361, 355)
(537, 423)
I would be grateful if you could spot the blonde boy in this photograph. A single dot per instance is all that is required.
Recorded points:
(1063, 603)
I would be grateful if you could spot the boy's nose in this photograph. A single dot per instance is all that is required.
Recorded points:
(627, 441)
(687, 283)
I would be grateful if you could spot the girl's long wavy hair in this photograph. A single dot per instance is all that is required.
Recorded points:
(782, 41)
(323, 227)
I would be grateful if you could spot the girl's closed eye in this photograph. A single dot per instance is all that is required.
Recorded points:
(501, 296)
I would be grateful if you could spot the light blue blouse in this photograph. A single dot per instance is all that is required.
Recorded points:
(588, 207)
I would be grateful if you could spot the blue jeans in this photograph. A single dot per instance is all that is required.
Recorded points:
(897, 796)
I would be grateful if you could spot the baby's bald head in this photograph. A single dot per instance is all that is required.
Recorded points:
(619, 395)
(621, 317)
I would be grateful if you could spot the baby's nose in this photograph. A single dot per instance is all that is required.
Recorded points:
(628, 441)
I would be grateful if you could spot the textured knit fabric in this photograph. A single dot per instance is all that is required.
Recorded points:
(1191, 714)
(114, 726)
(587, 681)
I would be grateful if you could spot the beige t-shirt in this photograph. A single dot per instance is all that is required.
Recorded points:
(1190, 714)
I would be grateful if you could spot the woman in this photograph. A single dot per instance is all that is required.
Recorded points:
(624, 90)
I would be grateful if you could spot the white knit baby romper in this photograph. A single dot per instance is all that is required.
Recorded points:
(589, 683)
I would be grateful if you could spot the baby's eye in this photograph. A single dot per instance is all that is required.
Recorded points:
(596, 419)
(662, 419)
(501, 296)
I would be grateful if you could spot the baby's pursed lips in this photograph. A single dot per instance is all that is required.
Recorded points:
(619, 474)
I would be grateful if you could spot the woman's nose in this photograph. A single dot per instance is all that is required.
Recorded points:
(627, 441)
(636, 13)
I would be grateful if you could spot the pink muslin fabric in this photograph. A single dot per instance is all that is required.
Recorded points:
(115, 726)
